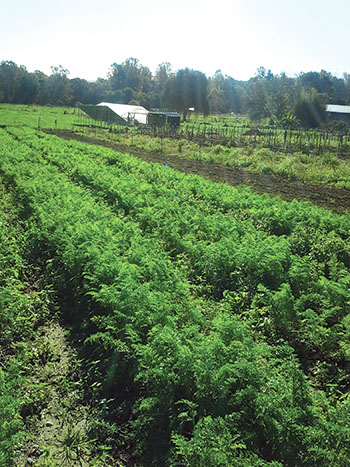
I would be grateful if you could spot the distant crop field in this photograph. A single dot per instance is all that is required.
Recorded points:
(211, 323)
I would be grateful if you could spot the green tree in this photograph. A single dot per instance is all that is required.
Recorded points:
(132, 80)
(98, 90)
(13, 82)
(42, 94)
(188, 88)
(216, 94)
(257, 100)
(310, 109)
(81, 90)
(59, 86)
(320, 81)
(160, 79)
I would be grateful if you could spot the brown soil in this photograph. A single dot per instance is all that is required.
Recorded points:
(60, 428)
(335, 199)
(61, 409)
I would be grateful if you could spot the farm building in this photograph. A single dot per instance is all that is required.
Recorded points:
(125, 114)
(130, 113)
(158, 118)
(338, 112)
(120, 114)
(173, 119)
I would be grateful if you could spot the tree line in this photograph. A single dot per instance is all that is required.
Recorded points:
(286, 100)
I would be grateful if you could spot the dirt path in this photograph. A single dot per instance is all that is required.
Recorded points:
(59, 428)
(335, 199)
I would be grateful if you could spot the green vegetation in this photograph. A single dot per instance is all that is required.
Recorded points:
(23, 307)
(38, 116)
(38, 372)
(299, 100)
(324, 168)
(211, 322)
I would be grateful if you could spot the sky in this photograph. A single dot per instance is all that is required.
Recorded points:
(236, 36)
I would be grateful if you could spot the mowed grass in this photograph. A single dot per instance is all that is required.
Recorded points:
(38, 116)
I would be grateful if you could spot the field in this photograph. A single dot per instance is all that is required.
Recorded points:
(311, 157)
(266, 181)
(322, 167)
(152, 317)
(38, 116)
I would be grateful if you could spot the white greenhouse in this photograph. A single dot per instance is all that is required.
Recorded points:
(127, 112)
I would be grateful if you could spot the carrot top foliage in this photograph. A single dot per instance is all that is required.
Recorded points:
(213, 321)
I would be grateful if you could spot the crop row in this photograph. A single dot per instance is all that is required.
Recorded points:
(22, 308)
(278, 217)
(11, 427)
(179, 372)
(227, 251)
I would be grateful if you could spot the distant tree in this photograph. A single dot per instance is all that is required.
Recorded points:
(235, 94)
(310, 109)
(257, 100)
(225, 94)
(159, 81)
(168, 97)
(12, 82)
(282, 95)
(59, 87)
(163, 73)
(263, 74)
(339, 88)
(278, 97)
(125, 75)
(216, 94)
(28, 88)
(347, 88)
(188, 88)
(320, 81)
(98, 91)
(217, 101)
(42, 94)
(269, 95)
(130, 75)
(146, 80)
(81, 90)
(126, 95)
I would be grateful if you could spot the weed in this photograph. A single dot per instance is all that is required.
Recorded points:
(73, 446)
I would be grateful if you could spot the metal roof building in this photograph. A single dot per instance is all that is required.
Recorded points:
(338, 112)
(160, 118)
(344, 109)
